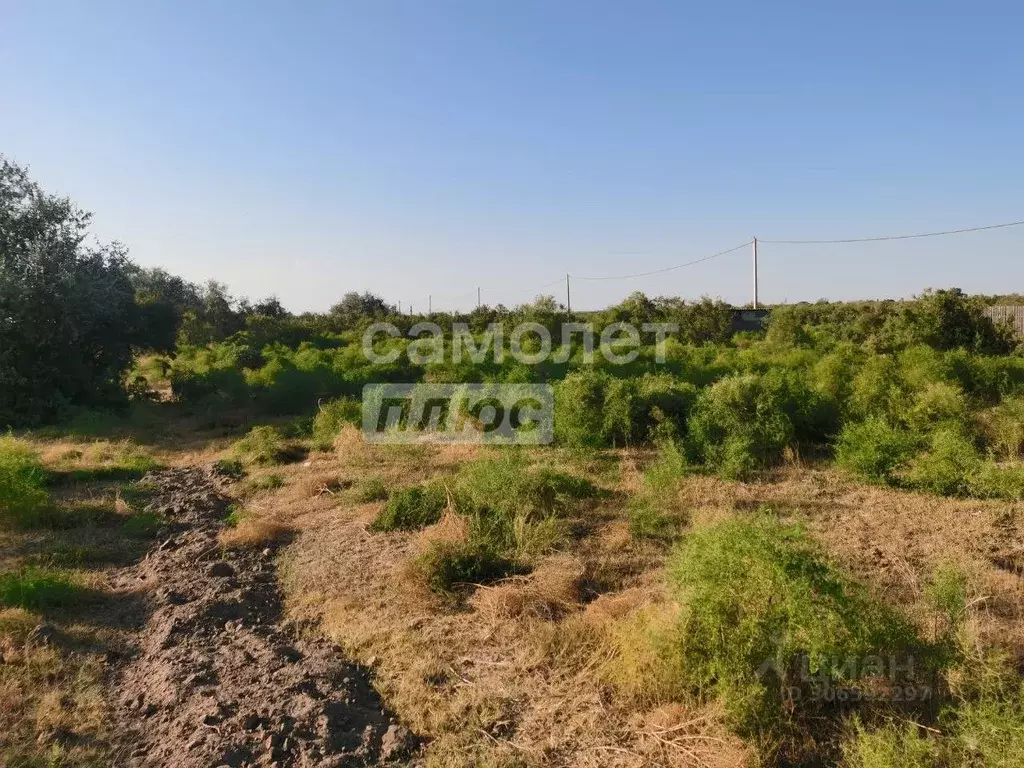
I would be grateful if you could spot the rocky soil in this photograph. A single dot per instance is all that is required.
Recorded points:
(216, 677)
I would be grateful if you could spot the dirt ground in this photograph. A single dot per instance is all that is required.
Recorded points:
(214, 675)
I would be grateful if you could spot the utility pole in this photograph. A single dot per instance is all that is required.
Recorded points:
(478, 297)
(568, 298)
(430, 304)
(399, 306)
(755, 273)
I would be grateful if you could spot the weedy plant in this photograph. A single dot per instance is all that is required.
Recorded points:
(372, 489)
(23, 495)
(266, 445)
(412, 508)
(874, 449)
(330, 419)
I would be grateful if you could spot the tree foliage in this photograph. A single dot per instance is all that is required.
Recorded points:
(67, 309)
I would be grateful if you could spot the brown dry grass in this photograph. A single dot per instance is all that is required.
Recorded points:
(255, 532)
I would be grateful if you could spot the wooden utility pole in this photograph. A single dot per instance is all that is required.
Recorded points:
(755, 273)
(568, 298)
(430, 304)
(478, 297)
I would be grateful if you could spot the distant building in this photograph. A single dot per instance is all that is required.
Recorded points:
(749, 319)
(1012, 312)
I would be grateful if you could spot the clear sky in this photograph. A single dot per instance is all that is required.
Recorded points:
(421, 147)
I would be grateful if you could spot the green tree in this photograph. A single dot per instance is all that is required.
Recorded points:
(66, 308)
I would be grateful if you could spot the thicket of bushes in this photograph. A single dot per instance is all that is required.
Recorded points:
(930, 407)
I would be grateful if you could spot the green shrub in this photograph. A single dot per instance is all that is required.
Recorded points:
(330, 419)
(266, 483)
(874, 449)
(372, 489)
(1005, 428)
(761, 608)
(265, 445)
(939, 402)
(412, 508)
(739, 424)
(948, 466)
(878, 390)
(661, 478)
(891, 746)
(514, 507)
(447, 565)
(988, 731)
(23, 495)
(579, 399)
(230, 468)
(993, 481)
(142, 525)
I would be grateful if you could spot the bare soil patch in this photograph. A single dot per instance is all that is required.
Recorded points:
(216, 677)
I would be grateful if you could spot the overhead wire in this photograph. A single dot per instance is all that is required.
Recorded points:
(663, 270)
(666, 269)
(892, 237)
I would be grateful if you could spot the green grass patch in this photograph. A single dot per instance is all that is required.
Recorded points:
(331, 418)
(648, 522)
(230, 468)
(37, 588)
(372, 489)
(23, 495)
(875, 449)
(265, 483)
(142, 525)
(411, 509)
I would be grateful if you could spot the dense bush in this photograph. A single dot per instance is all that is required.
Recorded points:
(948, 465)
(516, 508)
(874, 449)
(447, 565)
(740, 424)
(266, 445)
(761, 608)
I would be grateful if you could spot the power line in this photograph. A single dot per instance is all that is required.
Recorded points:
(892, 237)
(666, 269)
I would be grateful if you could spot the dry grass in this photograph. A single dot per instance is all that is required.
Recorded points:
(52, 708)
(255, 532)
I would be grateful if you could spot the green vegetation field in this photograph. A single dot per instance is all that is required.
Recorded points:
(800, 546)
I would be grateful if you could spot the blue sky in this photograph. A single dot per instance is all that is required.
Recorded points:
(413, 147)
